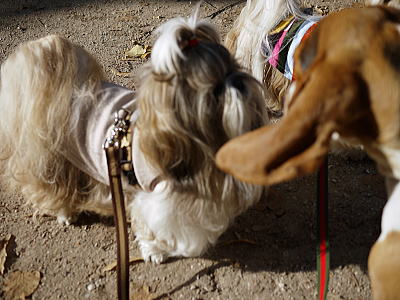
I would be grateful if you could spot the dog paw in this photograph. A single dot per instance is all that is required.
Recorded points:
(158, 258)
(149, 253)
(66, 221)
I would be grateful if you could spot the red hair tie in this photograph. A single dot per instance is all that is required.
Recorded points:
(193, 42)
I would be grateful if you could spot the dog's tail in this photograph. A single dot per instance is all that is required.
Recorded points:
(39, 82)
(257, 19)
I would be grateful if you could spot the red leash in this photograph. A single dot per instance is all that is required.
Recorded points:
(323, 250)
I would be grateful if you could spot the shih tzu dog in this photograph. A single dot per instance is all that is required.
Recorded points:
(264, 39)
(57, 110)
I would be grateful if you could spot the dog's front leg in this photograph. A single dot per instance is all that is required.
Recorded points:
(384, 258)
(166, 227)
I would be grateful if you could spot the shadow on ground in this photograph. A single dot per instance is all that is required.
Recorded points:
(280, 233)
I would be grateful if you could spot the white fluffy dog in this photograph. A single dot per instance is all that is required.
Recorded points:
(57, 109)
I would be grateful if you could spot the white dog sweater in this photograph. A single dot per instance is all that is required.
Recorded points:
(92, 125)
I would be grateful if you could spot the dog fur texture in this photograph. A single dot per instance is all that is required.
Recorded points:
(192, 98)
(248, 36)
(249, 40)
(348, 86)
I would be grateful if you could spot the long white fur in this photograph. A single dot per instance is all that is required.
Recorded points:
(38, 85)
(163, 229)
(257, 19)
(167, 49)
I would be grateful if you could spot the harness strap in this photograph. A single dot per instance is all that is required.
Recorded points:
(323, 249)
(113, 147)
(280, 44)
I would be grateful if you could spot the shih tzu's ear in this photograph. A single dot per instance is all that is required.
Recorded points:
(296, 145)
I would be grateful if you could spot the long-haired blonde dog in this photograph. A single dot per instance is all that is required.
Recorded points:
(57, 109)
(254, 37)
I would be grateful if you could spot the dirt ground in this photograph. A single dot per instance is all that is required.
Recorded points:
(268, 253)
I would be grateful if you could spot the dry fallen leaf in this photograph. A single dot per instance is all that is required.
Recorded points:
(138, 51)
(113, 265)
(143, 294)
(121, 74)
(20, 285)
(135, 51)
(3, 252)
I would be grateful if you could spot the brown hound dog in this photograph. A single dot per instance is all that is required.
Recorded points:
(347, 86)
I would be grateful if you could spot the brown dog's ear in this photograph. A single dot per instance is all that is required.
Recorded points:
(294, 147)
(275, 153)
(297, 145)
(307, 51)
